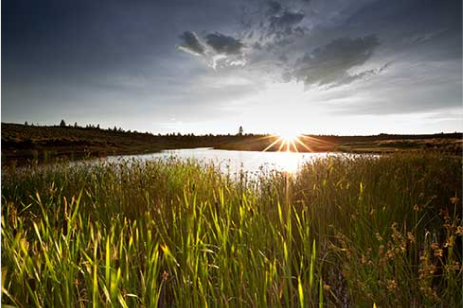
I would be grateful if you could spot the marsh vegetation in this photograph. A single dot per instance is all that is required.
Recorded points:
(343, 232)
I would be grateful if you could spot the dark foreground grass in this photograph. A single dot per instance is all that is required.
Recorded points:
(342, 232)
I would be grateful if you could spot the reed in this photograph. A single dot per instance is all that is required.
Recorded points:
(360, 232)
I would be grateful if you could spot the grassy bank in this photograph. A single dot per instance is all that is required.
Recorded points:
(341, 232)
(22, 144)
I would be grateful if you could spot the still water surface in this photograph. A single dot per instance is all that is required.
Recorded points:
(232, 161)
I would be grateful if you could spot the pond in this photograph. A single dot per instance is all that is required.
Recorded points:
(232, 161)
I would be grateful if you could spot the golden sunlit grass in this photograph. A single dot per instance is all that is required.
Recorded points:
(339, 232)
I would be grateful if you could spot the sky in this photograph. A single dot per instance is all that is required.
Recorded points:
(346, 67)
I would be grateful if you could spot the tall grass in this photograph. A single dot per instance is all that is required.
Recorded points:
(341, 232)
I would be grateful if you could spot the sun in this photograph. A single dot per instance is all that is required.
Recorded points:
(286, 141)
(289, 140)
(289, 136)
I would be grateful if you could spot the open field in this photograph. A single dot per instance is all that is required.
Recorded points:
(22, 143)
(341, 232)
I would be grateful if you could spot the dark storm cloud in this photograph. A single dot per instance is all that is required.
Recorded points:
(224, 44)
(285, 21)
(97, 53)
(430, 29)
(330, 64)
(219, 50)
(190, 43)
(66, 57)
(80, 41)
(276, 27)
(282, 25)
(274, 7)
(348, 78)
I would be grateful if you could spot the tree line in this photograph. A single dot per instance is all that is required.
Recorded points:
(63, 124)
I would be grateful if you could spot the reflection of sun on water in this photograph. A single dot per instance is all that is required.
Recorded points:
(283, 149)
(287, 142)
(287, 161)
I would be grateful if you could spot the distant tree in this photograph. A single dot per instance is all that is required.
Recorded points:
(240, 131)
(62, 123)
(75, 124)
(26, 124)
(98, 126)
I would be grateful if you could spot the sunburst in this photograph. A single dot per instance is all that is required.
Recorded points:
(296, 142)
(287, 142)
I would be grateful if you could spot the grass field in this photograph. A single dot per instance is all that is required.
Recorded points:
(356, 232)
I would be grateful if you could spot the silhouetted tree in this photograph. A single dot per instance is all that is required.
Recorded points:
(75, 124)
(98, 126)
(240, 131)
(62, 123)
(26, 124)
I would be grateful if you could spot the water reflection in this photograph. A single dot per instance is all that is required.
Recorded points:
(232, 161)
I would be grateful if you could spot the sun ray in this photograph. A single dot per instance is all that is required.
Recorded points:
(292, 142)
(316, 140)
(288, 141)
(283, 142)
(272, 144)
(304, 145)
(294, 145)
